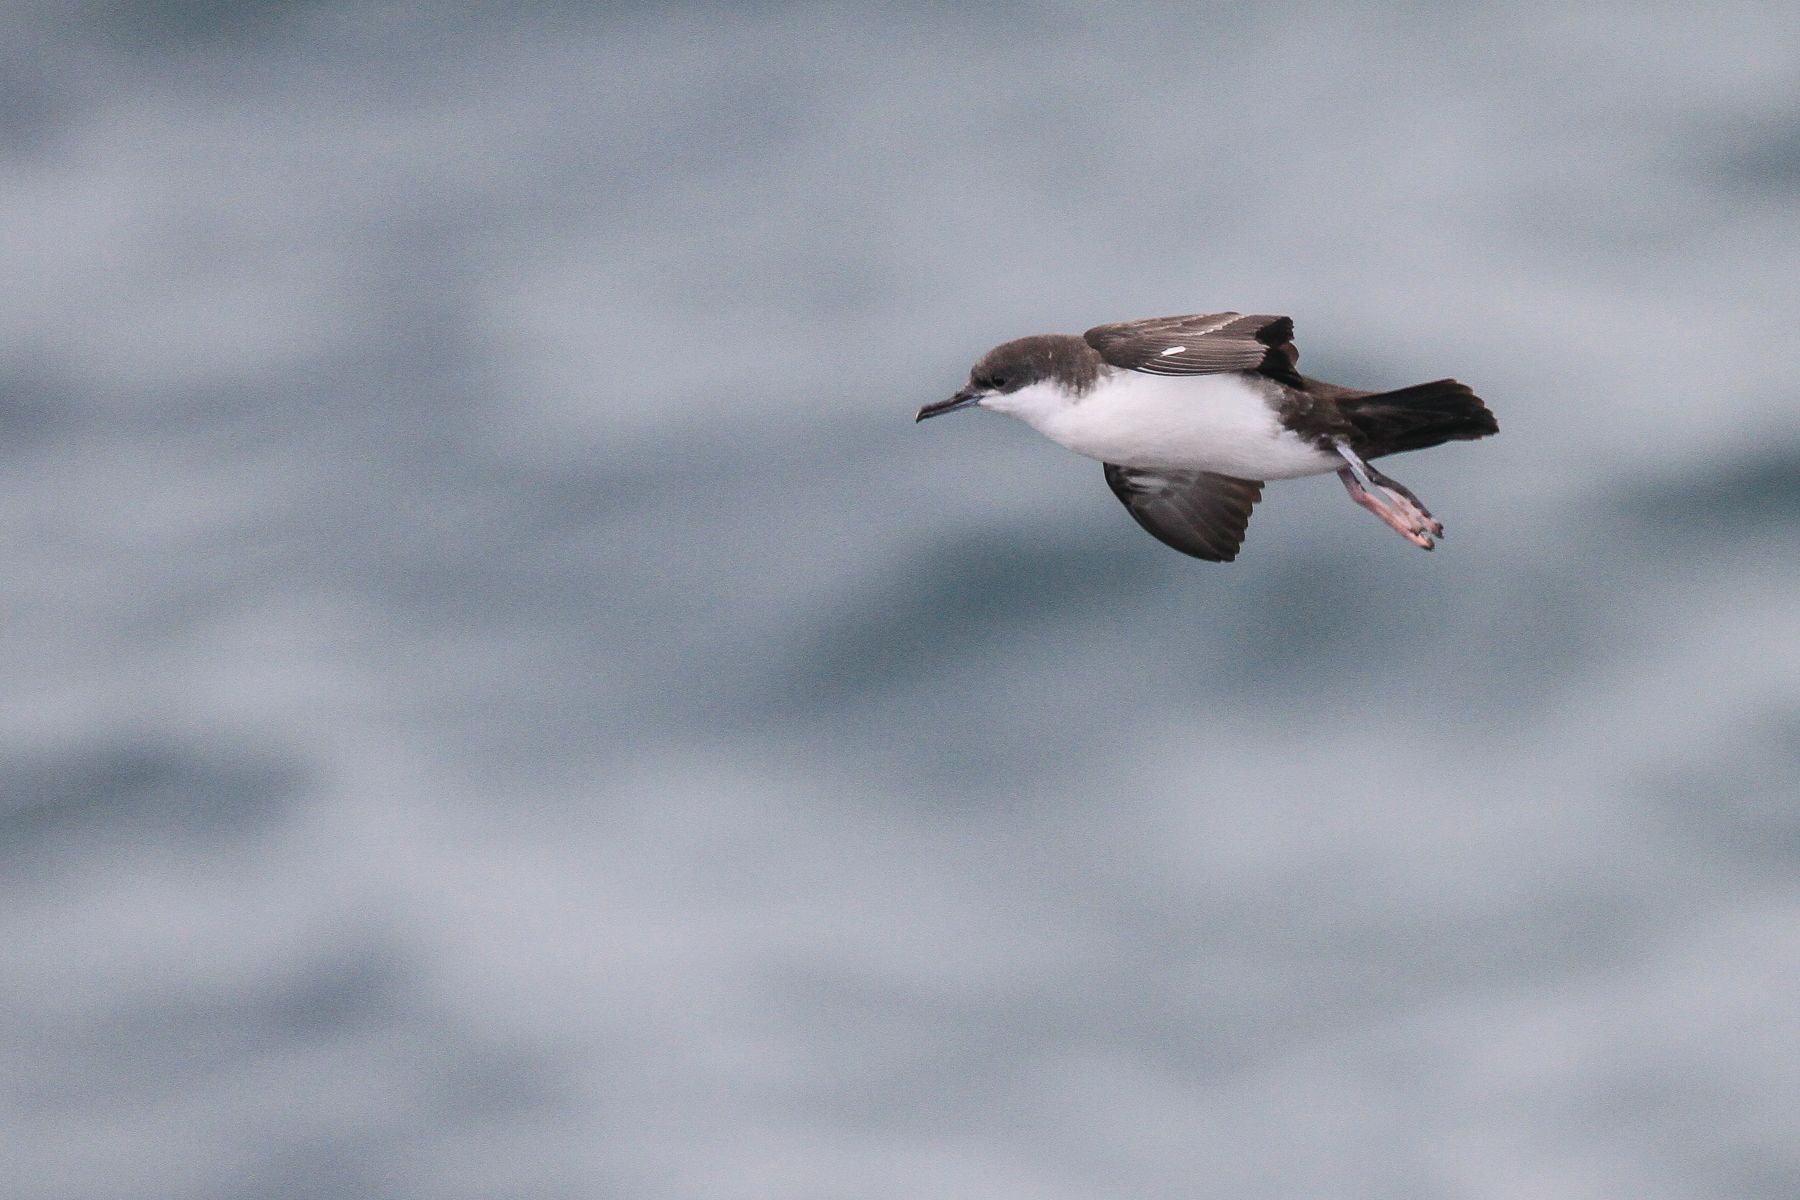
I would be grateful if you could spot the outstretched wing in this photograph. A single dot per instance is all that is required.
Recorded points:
(1201, 344)
(1196, 512)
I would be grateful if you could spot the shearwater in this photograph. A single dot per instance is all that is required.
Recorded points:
(1192, 415)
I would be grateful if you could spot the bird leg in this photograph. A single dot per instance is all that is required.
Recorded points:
(1397, 507)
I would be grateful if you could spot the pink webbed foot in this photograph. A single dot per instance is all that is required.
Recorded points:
(1397, 507)
(1403, 496)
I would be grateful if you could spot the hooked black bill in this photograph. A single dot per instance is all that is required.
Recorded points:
(963, 399)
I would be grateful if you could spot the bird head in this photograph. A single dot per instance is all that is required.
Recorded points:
(1030, 378)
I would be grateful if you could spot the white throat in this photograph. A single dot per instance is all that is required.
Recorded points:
(1035, 404)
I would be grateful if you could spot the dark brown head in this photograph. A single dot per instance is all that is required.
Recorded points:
(1049, 366)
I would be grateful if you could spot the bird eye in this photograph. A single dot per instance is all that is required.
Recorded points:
(996, 382)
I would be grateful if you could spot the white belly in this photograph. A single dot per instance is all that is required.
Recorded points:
(1219, 423)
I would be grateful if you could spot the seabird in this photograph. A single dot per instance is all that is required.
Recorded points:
(1191, 415)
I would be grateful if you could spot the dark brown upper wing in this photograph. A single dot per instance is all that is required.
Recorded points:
(1196, 512)
(1201, 344)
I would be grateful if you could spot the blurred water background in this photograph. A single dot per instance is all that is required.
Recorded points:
(501, 701)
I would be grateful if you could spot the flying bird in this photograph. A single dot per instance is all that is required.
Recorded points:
(1191, 415)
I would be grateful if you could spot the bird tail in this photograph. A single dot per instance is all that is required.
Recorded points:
(1417, 417)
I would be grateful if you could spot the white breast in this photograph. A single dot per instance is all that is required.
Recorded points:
(1221, 423)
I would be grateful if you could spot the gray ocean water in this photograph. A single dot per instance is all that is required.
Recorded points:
(501, 701)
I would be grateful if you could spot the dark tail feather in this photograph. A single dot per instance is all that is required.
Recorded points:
(1413, 418)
